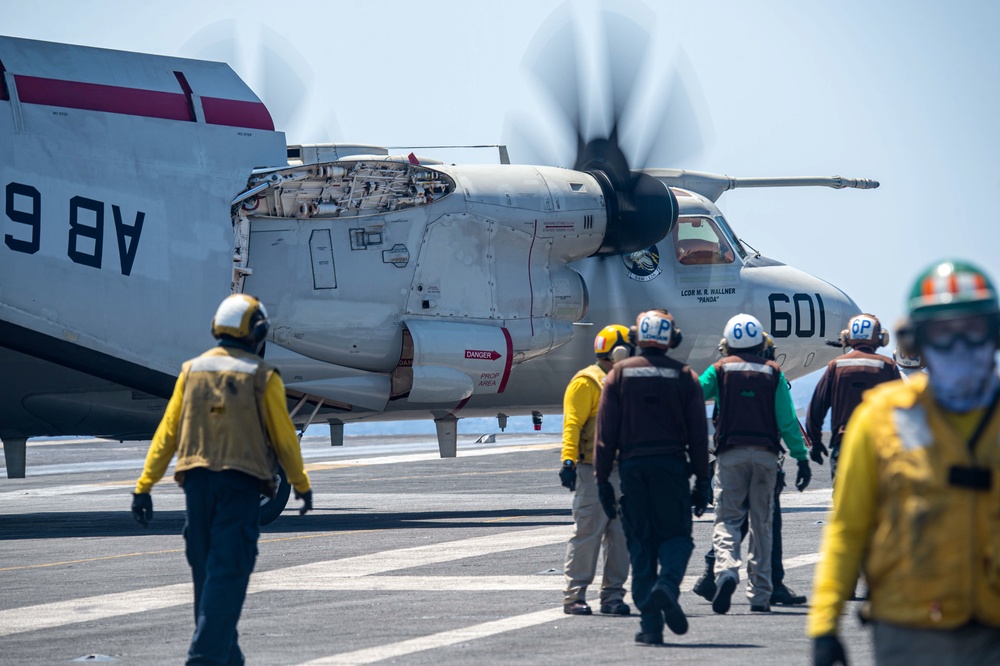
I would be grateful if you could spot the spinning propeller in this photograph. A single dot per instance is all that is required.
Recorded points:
(641, 209)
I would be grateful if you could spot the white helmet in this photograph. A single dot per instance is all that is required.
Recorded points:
(864, 329)
(241, 317)
(904, 360)
(744, 331)
(656, 328)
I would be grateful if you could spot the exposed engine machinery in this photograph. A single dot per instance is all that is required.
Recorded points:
(479, 252)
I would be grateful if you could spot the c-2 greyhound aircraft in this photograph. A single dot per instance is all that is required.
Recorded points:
(140, 190)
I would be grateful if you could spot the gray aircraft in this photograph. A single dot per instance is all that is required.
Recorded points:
(140, 190)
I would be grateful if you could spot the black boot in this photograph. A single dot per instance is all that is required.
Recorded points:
(783, 596)
(704, 587)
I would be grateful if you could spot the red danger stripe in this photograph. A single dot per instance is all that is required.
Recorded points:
(508, 360)
(138, 102)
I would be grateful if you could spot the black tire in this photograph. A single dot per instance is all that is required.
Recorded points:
(271, 507)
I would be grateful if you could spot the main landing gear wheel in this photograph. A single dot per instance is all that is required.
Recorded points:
(271, 507)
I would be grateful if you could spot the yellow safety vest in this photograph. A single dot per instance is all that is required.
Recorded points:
(934, 554)
(222, 415)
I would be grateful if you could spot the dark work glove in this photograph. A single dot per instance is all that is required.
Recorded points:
(567, 475)
(307, 501)
(804, 476)
(699, 498)
(827, 651)
(142, 508)
(606, 493)
(817, 451)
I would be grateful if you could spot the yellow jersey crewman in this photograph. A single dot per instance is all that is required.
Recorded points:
(591, 527)
(226, 420)
(916, 502)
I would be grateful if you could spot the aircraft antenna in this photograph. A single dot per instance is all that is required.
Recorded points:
(756, 252)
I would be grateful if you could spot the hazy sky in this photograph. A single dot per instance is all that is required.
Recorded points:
(904, 92)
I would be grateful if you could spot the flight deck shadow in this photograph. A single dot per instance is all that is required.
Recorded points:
(60, 525)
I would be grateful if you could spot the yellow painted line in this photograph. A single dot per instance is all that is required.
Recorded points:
(91, 559)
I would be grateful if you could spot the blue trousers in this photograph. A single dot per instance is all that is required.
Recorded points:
(221, 545)
(656, 515)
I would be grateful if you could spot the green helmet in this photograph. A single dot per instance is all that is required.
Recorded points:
(951, 289)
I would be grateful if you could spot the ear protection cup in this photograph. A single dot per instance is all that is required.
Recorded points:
(259, 327)
(724, 347)
(633, 335)
(883, 337)
(620, 353)
(676, 336)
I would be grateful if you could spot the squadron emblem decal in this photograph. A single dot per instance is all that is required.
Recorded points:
(643, 265)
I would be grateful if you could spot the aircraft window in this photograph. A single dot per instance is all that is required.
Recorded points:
(727, 231)
(698, 240)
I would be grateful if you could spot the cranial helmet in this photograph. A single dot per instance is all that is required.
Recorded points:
(241, 317)
(907, 360)
(951, 289)
(864, 329)
(612, 343)
(743, 332)
(656, 328)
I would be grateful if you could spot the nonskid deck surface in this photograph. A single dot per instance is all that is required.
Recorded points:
(407, 558)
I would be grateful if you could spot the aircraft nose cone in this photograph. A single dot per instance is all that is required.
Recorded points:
(803, 312)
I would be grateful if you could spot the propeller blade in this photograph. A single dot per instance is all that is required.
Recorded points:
(641, 210)
(680, 130)
(528, 143)
(553, 60)
(626, 44)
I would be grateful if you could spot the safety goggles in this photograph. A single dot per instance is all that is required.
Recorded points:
(945, 334)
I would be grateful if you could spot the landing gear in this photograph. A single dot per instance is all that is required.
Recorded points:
(271, 507)
(447, 436)
(14, 449)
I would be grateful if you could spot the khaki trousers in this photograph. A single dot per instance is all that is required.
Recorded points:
(591, 531)
(744, 483)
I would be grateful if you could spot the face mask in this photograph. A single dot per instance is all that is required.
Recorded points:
(962, 376)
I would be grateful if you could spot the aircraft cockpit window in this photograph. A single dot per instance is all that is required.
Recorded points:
(727, 231)
(698, 240)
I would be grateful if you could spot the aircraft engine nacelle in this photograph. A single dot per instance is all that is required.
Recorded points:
(347, 254)
(451, 361)
(580, 212)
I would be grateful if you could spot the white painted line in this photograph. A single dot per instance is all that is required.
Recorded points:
(536, 583)
(57, 614)
(418, 457)
(442, 639)
(309, 455)
(300, 576)
(56, 491)
(451, 637)
(801, 560)
(88, 609)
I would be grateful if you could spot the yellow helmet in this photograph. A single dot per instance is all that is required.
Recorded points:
(241, 317)
(612, 343)
(769, 350)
